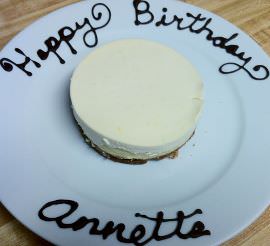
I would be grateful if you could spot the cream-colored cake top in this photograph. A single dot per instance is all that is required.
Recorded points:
(136, 93)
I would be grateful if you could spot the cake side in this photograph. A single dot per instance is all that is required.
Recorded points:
(126, 151)
(172, 155)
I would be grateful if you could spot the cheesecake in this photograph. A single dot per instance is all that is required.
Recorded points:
(136, 100)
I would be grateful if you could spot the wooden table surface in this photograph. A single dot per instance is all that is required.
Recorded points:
(252, 16)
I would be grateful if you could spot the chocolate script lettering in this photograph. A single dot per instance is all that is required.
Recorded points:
(199, 24)
(65, 35)
(137, 236)
(8, 64)
(196, 24)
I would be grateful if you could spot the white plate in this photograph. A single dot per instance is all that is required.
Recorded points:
(223, 171)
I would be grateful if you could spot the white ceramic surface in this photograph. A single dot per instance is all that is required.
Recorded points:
(224, 169)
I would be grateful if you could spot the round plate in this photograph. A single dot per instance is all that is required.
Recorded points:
(65, 192)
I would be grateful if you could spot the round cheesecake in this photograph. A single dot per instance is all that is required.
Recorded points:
(136, 99)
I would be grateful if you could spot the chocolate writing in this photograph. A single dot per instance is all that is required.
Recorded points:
(99, 12)
(8, 64)
(196, 24)
(138, 234)
(66, 34)
(199, 24)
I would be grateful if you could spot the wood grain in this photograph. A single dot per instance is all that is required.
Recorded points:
(253, 16)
